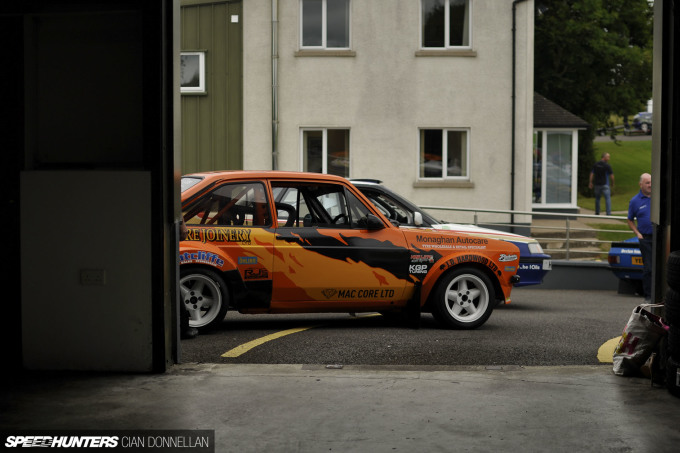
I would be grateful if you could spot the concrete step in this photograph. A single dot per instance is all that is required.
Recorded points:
(580, 233)
(561, 243)
(577, 253)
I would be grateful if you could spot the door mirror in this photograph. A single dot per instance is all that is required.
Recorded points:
(417, 218)
(370, 222)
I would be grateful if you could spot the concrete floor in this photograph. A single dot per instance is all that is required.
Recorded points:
(301, 408)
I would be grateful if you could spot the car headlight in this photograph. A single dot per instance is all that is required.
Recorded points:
(535, 248)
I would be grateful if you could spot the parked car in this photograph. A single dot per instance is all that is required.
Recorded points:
(625, 261)
(642, 124)
(533, 263)
(326, 248)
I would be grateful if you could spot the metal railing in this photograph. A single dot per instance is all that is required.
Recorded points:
(570, 231)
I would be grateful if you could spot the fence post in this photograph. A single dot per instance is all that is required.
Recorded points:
(568, 242)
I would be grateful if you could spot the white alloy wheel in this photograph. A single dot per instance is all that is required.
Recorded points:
(203, 295)
(464, 299)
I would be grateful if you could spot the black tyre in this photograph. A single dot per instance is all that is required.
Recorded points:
(673, 271)
(673, 342)
(672, 377)
(672, 307)
(464, 299)
(204, 295)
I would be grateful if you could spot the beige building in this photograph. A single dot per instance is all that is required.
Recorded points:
(416, 93)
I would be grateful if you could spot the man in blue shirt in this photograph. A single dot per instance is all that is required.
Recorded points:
(640, 208)
(600, 176)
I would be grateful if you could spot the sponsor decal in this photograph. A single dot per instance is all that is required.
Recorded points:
(510, 268)
(359, 293)
(329, 293)
(418, 269)
(529, 267)
(247, 260)
(252, 274)
(241, 235)
(422, 259)
(631, 251)
(201, 257)
(506, 258)
(452, 242)
(471, 259)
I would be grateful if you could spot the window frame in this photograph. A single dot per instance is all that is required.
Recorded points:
(321, 215)
(544, 188)
(200, 89)
(324, 148)
(447, 30)
(324, 29)
(210, 215)
(465, 177)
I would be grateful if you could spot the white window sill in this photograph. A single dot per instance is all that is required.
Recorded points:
(456, 184)
(446, 53)
(325, 53)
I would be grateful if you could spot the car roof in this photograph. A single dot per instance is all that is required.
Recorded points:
(210, 178)
(261, 174)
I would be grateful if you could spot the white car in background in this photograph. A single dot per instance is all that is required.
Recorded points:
(533, 263)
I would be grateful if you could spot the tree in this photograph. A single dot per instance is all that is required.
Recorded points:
(594, 58)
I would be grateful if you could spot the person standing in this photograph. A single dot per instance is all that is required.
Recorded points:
(640, 208)
(600, 177)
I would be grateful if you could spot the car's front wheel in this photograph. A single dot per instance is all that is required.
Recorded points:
(464, 299)
(204, 295)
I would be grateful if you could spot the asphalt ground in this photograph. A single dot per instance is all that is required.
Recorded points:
(539, 328)
(493, 406)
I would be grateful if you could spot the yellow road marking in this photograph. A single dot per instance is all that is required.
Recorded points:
(245, 347)
(606, 352)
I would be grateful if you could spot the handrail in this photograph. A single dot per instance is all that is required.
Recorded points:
(571, 232)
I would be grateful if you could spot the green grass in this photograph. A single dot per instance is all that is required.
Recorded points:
(629, 159)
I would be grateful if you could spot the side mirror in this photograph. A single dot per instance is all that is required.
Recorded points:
(417, 218)
(370, 222)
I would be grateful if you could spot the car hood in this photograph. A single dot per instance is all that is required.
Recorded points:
(485, 232)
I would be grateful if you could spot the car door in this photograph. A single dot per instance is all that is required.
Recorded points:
(324, 256)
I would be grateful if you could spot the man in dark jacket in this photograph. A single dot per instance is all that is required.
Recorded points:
(600, 178)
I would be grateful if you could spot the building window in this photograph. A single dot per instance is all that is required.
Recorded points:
(554, 160)
(324, 24)
(326, 151)
(444, 153)
(192, 72)
(445, 23)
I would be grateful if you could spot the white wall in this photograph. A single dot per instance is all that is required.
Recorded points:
(385, 93)
(74, 220)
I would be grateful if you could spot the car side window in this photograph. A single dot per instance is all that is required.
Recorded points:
(237, 204)
(304, 205)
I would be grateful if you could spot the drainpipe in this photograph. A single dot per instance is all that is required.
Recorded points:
(275, 85)
(512, 145)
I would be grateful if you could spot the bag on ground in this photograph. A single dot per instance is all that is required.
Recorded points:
(639, 339)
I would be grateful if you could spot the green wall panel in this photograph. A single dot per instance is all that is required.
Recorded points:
(212, 122)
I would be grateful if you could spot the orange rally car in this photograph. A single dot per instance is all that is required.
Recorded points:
(287, 242)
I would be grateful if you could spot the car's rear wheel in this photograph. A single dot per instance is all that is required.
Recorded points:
(464, 299)
(204, 295)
